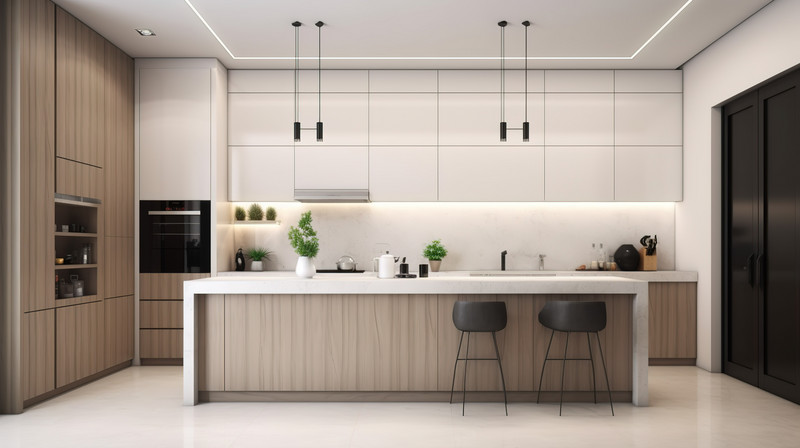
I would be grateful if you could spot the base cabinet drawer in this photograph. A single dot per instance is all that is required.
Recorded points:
(161, 344)
(161, 314)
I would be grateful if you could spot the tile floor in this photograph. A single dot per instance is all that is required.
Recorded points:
(141, 407)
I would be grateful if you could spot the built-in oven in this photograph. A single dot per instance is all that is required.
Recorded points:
(175, 236)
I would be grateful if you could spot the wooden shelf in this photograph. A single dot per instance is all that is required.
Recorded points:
(256, 223)
(77, 234)
(76, 203)
(60, 267)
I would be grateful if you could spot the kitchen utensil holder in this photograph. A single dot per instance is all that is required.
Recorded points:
(647, 262)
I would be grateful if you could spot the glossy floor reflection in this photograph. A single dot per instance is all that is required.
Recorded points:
(141, 407)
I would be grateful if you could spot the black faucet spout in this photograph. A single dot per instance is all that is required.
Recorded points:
(503, 260)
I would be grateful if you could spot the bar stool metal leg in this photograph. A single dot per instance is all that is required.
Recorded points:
(464, 386)
(502, 377)
(455, 366)
(591, 360)
(563, 369)
(602, 358)
(546, 355)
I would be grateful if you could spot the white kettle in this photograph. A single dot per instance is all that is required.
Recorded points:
(386, 266)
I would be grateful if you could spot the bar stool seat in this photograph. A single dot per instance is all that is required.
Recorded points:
(574, 317)
(478, 317)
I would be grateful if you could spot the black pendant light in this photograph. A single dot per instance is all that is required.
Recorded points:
(319, 80)
(296, 26)
(526, 127)
(503, 125)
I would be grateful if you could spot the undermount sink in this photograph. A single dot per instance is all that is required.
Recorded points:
(512, 274)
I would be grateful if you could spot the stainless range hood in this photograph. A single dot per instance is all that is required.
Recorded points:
(331, 196)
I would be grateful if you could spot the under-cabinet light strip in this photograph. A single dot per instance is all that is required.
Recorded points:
(437, 58)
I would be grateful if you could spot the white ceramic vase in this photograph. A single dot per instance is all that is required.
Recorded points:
(305, 268)
(256, 265)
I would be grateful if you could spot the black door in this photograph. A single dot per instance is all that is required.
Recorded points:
(780, 303)
(740, 348)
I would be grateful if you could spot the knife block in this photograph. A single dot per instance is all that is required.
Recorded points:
(648, 262)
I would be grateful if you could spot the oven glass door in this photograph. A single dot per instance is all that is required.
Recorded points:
(175, 238)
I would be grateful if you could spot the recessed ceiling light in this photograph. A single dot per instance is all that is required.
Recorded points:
(145, 32)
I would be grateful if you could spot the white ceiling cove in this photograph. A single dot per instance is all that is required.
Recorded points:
(627, 34)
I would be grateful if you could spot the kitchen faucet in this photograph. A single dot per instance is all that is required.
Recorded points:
(541, 261)
(503, 260)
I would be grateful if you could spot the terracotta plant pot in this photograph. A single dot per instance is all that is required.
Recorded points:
(435, 264)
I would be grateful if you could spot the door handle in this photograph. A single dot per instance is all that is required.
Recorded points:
(760, 274)
(749, 268)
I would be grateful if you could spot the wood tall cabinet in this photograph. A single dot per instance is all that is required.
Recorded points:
(76, 116)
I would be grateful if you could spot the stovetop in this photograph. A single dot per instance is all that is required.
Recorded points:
(337, 271)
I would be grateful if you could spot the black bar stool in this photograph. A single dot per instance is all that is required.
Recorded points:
(478, 317)
(574, 317)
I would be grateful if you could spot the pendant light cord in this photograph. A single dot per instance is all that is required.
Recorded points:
(526, 72)
(502, 72)
(296, 68)
(319, 71)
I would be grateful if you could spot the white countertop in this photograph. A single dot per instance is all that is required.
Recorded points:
(437, 283)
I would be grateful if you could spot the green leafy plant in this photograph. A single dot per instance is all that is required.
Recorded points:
(240, 213)
(434, 251)
(271, 214)
(258, 254)
(303, 238)
(255, 212)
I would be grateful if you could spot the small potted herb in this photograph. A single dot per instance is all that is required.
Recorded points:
(303, 239)
(271, 214)
(255, 212)
(258, 255)
(434, 252)
(240, 213)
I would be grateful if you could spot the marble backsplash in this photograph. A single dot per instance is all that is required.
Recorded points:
(473, 233)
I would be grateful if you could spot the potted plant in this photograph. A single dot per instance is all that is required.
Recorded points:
(303, 239)
(255, 212)
(258, 254)
(271, 214)
(434, 252)
(240, 213)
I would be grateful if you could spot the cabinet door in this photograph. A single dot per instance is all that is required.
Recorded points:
(79, 342)
(648, 173)
(260, 119)
(579, 174)
(474, 118)
(344, 116)
(648, 119)
(491, 174)
(402, 119)
(331, 168)
(38, 353)
(403, 173)
(175, 133)
(579, 119)
(119, 153)
(261, 173)
(79, 179)
(119, 330)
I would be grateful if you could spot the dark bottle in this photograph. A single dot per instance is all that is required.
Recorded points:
(239, 260)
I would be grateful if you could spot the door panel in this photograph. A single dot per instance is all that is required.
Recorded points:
(780, 112)
(741, 317)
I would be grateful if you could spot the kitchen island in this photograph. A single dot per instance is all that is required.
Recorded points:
(275, 337)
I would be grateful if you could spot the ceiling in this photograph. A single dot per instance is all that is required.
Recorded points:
(419, 33)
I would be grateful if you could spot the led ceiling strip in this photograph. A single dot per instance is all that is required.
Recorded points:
(422, 58)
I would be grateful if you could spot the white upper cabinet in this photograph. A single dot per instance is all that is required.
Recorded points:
(402, 119)
(648, 119)
(174, 128)
(579, 81)
(344, 117)
(491, 174)
(331, 168)
(648, 173)
(403, 173)
(282, 81)
(582, 173)
(403, 81)
(648, 81)
(261, 173)
(474, 118)
(488, 81)
(579, 119)
(260, 119)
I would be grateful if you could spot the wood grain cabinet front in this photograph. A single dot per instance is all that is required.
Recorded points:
(79, 342)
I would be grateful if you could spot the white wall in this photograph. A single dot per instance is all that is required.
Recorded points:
(761, 47)
(474, 233)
